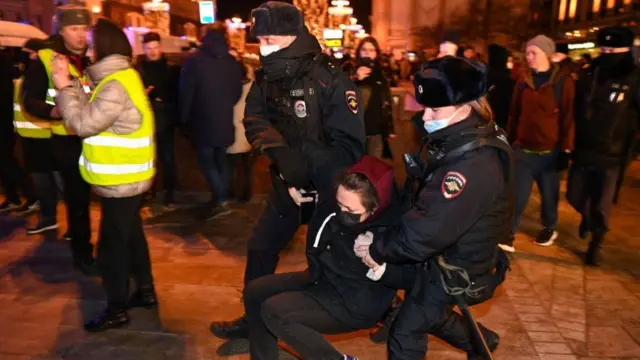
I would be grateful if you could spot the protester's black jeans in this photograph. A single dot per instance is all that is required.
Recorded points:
(278, 307)
(12, 176)
(122, 250)
(164, 143)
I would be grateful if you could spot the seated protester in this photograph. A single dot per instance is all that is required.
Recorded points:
(337, 293)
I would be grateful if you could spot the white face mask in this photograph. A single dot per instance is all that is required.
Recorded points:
(266, 50)
(434, 125)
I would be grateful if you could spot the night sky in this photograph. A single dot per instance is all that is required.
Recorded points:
(242, 8)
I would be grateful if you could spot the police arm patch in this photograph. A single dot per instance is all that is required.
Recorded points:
(352, 101)
(453, 184)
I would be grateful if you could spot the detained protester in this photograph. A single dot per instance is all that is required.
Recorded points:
(304, 115)
(38, 95)
(376, 96)
(337, 293)
(161, 83)
(607, 113)
(541, 128)
(116, 125)
(459, 213)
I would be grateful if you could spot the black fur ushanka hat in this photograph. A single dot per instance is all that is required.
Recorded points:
(450, 81)
(276, 18)
(615, 37)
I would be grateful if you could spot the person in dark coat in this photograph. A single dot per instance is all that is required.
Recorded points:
(210, 86)
(304, 114)
(376, 96)
(337, 293)
(12, 176)
(161, 81)
(500, 84)
(607, 114)
(459, 214)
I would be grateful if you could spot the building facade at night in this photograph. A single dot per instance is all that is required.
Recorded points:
(576, 22)
(35, 12)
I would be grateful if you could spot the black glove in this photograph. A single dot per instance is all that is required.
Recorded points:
(292, 166)
(563, 161)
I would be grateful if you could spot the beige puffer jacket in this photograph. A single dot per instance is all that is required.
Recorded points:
(112, 110)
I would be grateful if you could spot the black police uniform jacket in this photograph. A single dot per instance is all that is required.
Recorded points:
(462, 211)
(608, 110)
(304, 114)
(338, 278)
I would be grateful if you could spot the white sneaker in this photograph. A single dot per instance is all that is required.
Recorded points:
(507, 248)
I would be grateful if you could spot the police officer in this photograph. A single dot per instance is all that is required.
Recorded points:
(459, 214)
(303, 114)
(38, 95)
(607, 110)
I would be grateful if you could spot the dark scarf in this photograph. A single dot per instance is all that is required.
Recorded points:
(614, 66)
(291, 60)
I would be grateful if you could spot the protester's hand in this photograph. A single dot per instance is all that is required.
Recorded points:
(361, 250)
(367, 260)
(298, 197)
(60, 71)
(55, 113)
(363, 72)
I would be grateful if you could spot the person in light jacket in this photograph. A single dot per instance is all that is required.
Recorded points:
(117, 127)
(241, 161)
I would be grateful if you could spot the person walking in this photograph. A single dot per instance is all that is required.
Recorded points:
(500, 84)
(116, 125)
(210, 86)
(305, 115)
(161, 83)
(376, 96)
(541, 129)
(608, 109)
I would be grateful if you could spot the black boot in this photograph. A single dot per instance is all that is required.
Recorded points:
(110, 318)
(583, 229)
(381, 334)
(492, 339)
(144, 297)
(591, 258)
(236, 329)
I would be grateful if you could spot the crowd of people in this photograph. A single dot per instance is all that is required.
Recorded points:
(90, 116)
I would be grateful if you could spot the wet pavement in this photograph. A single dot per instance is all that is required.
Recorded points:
(551, 307)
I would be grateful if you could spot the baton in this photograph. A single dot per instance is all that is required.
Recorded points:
(480, 341)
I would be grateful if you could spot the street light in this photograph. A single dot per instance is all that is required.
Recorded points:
(96, 9)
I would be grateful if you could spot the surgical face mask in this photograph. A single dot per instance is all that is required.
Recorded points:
(348, 219)
(266, 50)
(434, 125)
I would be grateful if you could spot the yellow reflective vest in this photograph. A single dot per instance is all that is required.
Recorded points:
(46, 56)
(110, 159)
(27, 125)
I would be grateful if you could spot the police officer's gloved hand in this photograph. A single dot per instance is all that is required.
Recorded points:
(563, 161)
(291, 165)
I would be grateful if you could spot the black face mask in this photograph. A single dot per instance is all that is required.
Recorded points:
(348, 219)
(611, 60)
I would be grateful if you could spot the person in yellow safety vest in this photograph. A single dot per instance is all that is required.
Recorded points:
(15, 181)
(38, 96)
(118, 152)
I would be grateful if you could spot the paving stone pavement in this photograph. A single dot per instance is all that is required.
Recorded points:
(550, 307)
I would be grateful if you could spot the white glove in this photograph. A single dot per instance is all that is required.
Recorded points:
(363, 240)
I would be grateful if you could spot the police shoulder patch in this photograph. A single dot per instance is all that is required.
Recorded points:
(453, 184)
(352, 101)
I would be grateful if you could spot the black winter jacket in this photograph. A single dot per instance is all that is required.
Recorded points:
(460, 212)
(339, 277)
(210, 86)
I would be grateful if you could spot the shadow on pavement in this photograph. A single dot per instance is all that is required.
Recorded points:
(9, 224)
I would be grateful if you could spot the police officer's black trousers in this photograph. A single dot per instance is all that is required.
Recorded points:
(272, 234)
(428, 310)
(590, 190)
(76, 193)
(12, 176)
(122, 249)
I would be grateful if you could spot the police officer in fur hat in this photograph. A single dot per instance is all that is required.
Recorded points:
(607, 112)
(304, 115)
(460, 212)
